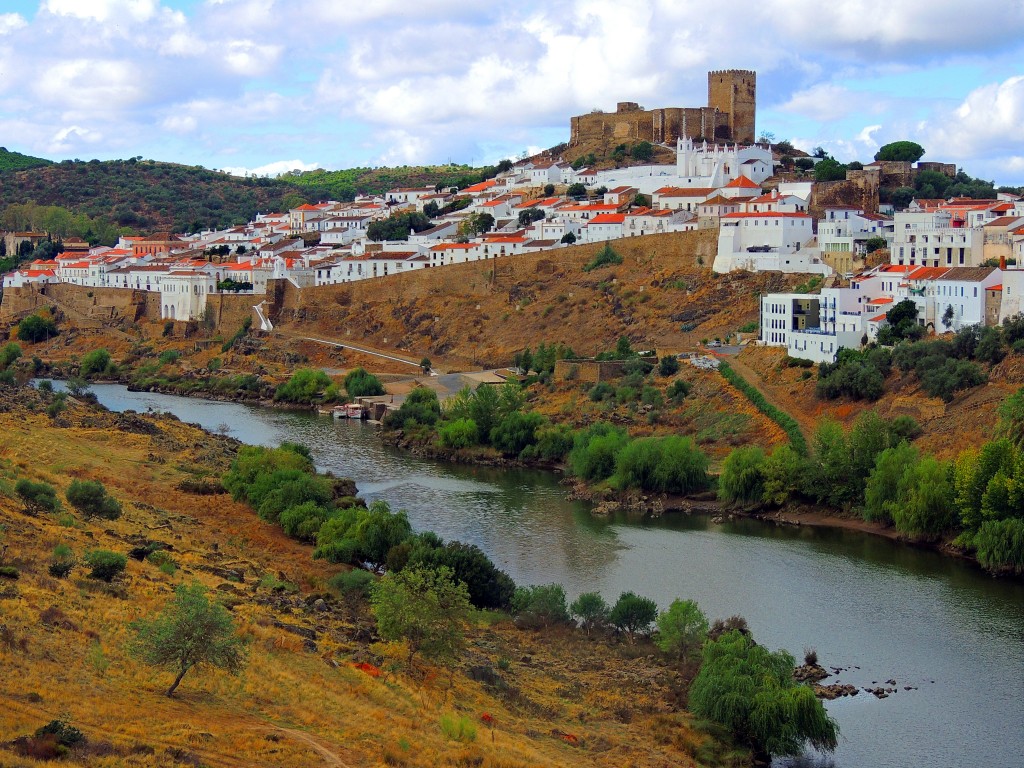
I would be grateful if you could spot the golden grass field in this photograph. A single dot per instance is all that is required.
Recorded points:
(570, 700)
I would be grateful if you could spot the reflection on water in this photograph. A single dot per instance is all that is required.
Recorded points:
(877, 608)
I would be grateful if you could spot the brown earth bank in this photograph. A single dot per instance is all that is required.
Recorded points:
(555, 697)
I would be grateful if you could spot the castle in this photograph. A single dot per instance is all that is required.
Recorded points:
(729, 116)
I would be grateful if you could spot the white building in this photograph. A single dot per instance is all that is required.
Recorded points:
(769, 241)
(932, 239)
(183, 295)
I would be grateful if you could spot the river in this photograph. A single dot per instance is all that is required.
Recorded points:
(880, 609)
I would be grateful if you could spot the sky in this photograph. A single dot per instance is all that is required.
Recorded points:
(266, 86)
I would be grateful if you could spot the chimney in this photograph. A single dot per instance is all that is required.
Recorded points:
(1002, 262)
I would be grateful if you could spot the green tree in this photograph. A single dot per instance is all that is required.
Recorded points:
(591, 610)
(425, 365)
(633, 614)
(928, 509)
(742, 477)
(905, 151)
(682, 629)
(887, 485)
(670, 464)
(829, 169)
(668, 365)
(876, 243)
(91, 499)
(488, 586)
(359, 383)
(751, 691)
(576, 190)
(1011, 418)
(189, 632)
(426, 608)
(37, 497)
(36, 328)
(642, 151)
(783, 472)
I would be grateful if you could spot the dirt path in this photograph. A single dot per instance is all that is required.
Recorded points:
(780, 400)
(330, 758)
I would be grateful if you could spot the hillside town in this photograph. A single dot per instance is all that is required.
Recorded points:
(955, 259)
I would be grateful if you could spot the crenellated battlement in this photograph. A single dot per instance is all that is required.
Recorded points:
(729, 116)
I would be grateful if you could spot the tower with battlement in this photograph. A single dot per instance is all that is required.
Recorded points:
(734, 92)
(729, 116)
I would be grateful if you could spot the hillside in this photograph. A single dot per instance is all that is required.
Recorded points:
(146, 195)
(15, 161)
(563, 699)
(149, 196)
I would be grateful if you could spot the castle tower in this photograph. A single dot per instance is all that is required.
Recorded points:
(734, 92)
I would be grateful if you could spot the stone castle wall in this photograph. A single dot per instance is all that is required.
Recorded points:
(729, 115)
(858, 190)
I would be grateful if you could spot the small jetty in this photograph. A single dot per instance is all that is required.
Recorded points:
(364, 409)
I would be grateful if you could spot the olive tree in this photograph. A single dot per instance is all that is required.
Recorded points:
(189, 632)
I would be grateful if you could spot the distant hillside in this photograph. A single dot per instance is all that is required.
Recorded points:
(148, 195)
(346, 184)
(15, 161)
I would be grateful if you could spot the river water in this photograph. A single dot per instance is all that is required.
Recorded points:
(877, 608)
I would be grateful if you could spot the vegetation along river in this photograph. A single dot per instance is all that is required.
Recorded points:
(879, 609)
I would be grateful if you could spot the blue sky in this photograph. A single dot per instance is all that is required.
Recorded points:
(270, 85)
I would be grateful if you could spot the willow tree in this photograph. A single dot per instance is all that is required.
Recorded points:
(751, 691)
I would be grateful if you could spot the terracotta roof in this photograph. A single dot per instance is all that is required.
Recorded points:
(608, 218)
(1002, 221)
(995, 288)
(742, 182)
(877, 319)
(884, 300)
(967, 274)
(685, 191)
(927, 273)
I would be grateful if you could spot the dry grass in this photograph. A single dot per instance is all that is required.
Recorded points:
(568, 701)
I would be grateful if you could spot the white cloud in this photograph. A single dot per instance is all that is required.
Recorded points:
(73, 137)
(830, 102)
(989, 121)
(9, 22)
(179, 124)
(244, 57)
(275, 168)
(90, 84)
(103, 10)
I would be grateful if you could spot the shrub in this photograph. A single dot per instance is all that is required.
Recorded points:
(516, 431)
(303, 521)
(421, 407)
(9, 572)
(36, 328)
(663, 465)
(359, 383)
(37, 497)
(652, 396)
(354, 583)
(169, 357)
(458, 728)
(62, 562)
(104, 564)
(742, 478)
(633, 614)
(595, 450)
(305, 386)
(668, 365)
(601, 391)
(8, 354)
(677, 391)
(461, 433)
(96, 362)
(90, 498)
(554, 441)
(604, 258)
(1000, 545)
(542, 605)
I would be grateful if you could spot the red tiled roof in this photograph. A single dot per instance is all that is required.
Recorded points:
(608, 218)
(885, 300)
(742, 182)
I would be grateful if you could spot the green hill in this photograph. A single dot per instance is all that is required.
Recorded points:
(15, 161)
(148, 196)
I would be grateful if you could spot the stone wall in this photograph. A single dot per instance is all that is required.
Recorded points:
(734, 93)
(591, 371)
(858, 190)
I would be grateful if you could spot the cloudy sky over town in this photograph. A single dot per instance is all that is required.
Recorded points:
(271, 85)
